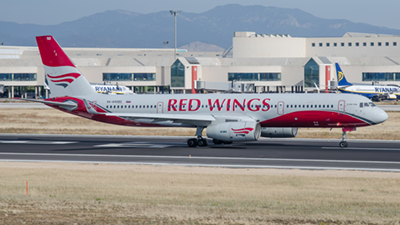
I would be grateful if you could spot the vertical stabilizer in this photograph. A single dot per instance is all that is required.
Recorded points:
(62, 76)
(340, 77)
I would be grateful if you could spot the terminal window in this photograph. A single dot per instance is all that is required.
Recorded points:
(365, 44)
(387, 43)
(372, 43)
(394, 43)
(334, 44)
(349, 44)
(357, 44)
(379, 44)
(313, 45)
(177, 74)
(254, 76)
(18, 76)
(376, 76)
(320, 44)
(342, 44)
(117, 76)
(144, 76)
(327, 44)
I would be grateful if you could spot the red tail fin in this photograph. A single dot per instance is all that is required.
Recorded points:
(51, 52)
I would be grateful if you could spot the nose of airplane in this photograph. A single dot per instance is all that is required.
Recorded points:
(381, 116)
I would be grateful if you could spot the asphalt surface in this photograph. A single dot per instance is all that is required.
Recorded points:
(266, 153)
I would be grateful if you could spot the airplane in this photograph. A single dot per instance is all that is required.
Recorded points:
(106, 89)
(111, 89)
(227, 117)
(374, 92)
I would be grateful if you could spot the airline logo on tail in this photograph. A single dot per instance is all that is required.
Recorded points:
(64, 79)
(340, 76)
(62, 76)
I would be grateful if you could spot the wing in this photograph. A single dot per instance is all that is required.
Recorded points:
(195, 120)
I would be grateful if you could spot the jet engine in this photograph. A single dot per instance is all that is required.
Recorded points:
(279, 132)
(235, 131)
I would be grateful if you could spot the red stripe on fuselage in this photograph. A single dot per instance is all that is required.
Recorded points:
(314, 119)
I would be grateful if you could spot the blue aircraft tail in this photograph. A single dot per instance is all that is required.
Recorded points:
(340, 76)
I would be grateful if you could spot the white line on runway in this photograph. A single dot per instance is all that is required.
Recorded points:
(38, 142)
(200, 157)
(368, 149)
(132, 145)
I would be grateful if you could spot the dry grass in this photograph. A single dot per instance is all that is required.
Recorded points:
(50, 121)
(122, 194)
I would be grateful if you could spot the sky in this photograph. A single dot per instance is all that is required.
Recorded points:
(48, 12)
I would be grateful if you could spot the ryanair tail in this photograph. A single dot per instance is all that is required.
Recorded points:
(62, 76)
(340, 77)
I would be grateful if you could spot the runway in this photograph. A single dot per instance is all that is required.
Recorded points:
(315, 154)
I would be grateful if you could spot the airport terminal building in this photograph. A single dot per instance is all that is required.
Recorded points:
(266, 62)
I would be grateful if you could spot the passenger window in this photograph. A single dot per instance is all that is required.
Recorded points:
(361, 105)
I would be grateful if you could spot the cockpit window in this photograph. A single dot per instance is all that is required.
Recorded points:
(366, 104)
(372, 104)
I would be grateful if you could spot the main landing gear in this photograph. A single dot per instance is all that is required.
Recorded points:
(199, 141)
(343, 143)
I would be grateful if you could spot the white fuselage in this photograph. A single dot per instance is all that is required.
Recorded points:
(284, 110)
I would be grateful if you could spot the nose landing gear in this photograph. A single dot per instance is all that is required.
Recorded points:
(343, 143)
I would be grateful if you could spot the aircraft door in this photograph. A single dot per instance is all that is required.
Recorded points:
(342, 106)
(281, 108)
(160, 107)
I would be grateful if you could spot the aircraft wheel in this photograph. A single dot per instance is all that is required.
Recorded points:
(217, 142)
(227, 142)
(343, 144)
(202, 142)
(192, 142)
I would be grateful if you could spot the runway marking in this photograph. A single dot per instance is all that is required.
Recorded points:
(368, 149)
(202, 157)
(37, 142)
(133, 145)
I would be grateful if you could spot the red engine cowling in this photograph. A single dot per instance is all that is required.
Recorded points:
(235, 131)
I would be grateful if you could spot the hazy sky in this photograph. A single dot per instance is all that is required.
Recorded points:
(381, 13)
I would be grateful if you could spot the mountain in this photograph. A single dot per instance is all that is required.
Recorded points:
(126, 29)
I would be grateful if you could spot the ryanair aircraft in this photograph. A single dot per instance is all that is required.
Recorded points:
(376, 93)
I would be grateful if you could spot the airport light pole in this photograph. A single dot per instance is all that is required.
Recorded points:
(175, 13)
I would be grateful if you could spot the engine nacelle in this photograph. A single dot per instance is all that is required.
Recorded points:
(235, 131)
(279, 132)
